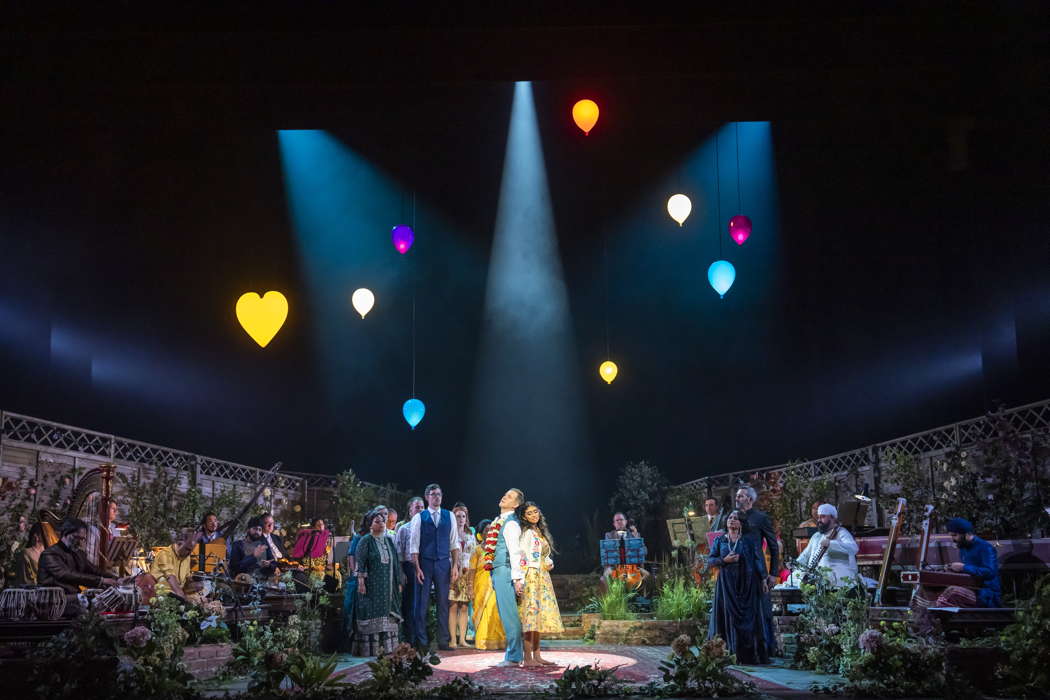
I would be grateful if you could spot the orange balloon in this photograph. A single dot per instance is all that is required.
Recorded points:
(585, 114)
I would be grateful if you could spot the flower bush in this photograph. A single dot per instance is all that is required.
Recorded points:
(700, 671)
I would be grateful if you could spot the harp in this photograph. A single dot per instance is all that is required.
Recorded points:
(90, 503)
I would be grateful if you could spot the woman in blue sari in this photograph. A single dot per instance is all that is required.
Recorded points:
(737, 611)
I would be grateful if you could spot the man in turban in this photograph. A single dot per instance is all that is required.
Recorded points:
(980, 561)
(832, 547)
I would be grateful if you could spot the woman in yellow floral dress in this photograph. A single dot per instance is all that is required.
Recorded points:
(488, 629)
(538, 607)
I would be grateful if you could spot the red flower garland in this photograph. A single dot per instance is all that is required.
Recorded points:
(491, 538)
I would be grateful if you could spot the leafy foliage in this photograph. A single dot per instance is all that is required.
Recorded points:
(18, 498)
(614, 604)
(351, 499)
(311, 673)
(701, 671)
(787, 496)
(80, 662)
(640, 492)
(892, 664)
(1025, 641)
(396, 675)
(1001, 484)
(588, 682)
(829, 627)
(680, 599)
(157, 506)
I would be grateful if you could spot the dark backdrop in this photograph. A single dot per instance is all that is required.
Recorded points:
(905, 286)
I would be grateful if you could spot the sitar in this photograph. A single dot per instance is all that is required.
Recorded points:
(891, 545)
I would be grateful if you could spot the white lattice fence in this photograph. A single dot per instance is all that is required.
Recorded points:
(1034, 417)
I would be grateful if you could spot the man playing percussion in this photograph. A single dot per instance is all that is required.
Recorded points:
(64, 565)
(171, 566)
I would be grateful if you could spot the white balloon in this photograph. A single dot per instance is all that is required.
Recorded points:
(679, 206)
(363, 301)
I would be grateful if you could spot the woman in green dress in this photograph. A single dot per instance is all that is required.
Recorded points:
(379, 581)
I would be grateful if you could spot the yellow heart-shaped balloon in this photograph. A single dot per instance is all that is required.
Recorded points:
(262, 316)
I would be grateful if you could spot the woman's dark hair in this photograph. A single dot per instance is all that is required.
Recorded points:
(366, 522)
(36, 532)
(739, 515)
(483, 525)
(541, 526)
(315, 521)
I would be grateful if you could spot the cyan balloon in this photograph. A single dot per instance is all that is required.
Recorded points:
(721, 276)
(413, 411)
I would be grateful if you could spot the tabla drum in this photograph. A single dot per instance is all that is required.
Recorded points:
(118, 599)
(48, 602)
(14, 603)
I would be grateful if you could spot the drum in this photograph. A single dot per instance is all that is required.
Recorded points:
(48, 602)
(118, 599)
(14, 603)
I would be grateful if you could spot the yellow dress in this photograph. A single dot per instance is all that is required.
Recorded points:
(538, 607)
(488, 630)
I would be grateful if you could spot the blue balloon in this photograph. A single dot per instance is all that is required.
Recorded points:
(721, 275)
(413, 411)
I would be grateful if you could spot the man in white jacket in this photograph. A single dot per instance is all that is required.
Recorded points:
(831, 547)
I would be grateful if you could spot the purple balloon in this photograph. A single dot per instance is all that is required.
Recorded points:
(402, 237)
(739, 228)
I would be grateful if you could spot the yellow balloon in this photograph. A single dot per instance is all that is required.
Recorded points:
(363, 300)
(679, 207)
(262, 316)
(608, 371)
(585, 114)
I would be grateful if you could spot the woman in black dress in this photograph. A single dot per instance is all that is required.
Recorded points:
(736, 613)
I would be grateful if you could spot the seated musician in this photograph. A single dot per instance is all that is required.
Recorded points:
(65, 565)
(29, 562)
(831, 547)
(171, 566)
(622, 527)
(978, 560)
(248, 556)
(311, 547)
(209, 529)
(802, 542)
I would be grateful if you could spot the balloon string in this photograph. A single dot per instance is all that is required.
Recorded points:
(414, 206)
(718, 191)
(413, 344)
(605, 254)
(739, 206)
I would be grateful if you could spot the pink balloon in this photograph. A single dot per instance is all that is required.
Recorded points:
(739, 228)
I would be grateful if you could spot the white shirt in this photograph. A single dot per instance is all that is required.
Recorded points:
(841, 556)
(274, 549)
(413, 539)
(510, 530)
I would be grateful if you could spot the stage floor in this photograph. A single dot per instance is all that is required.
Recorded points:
(637, 665)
